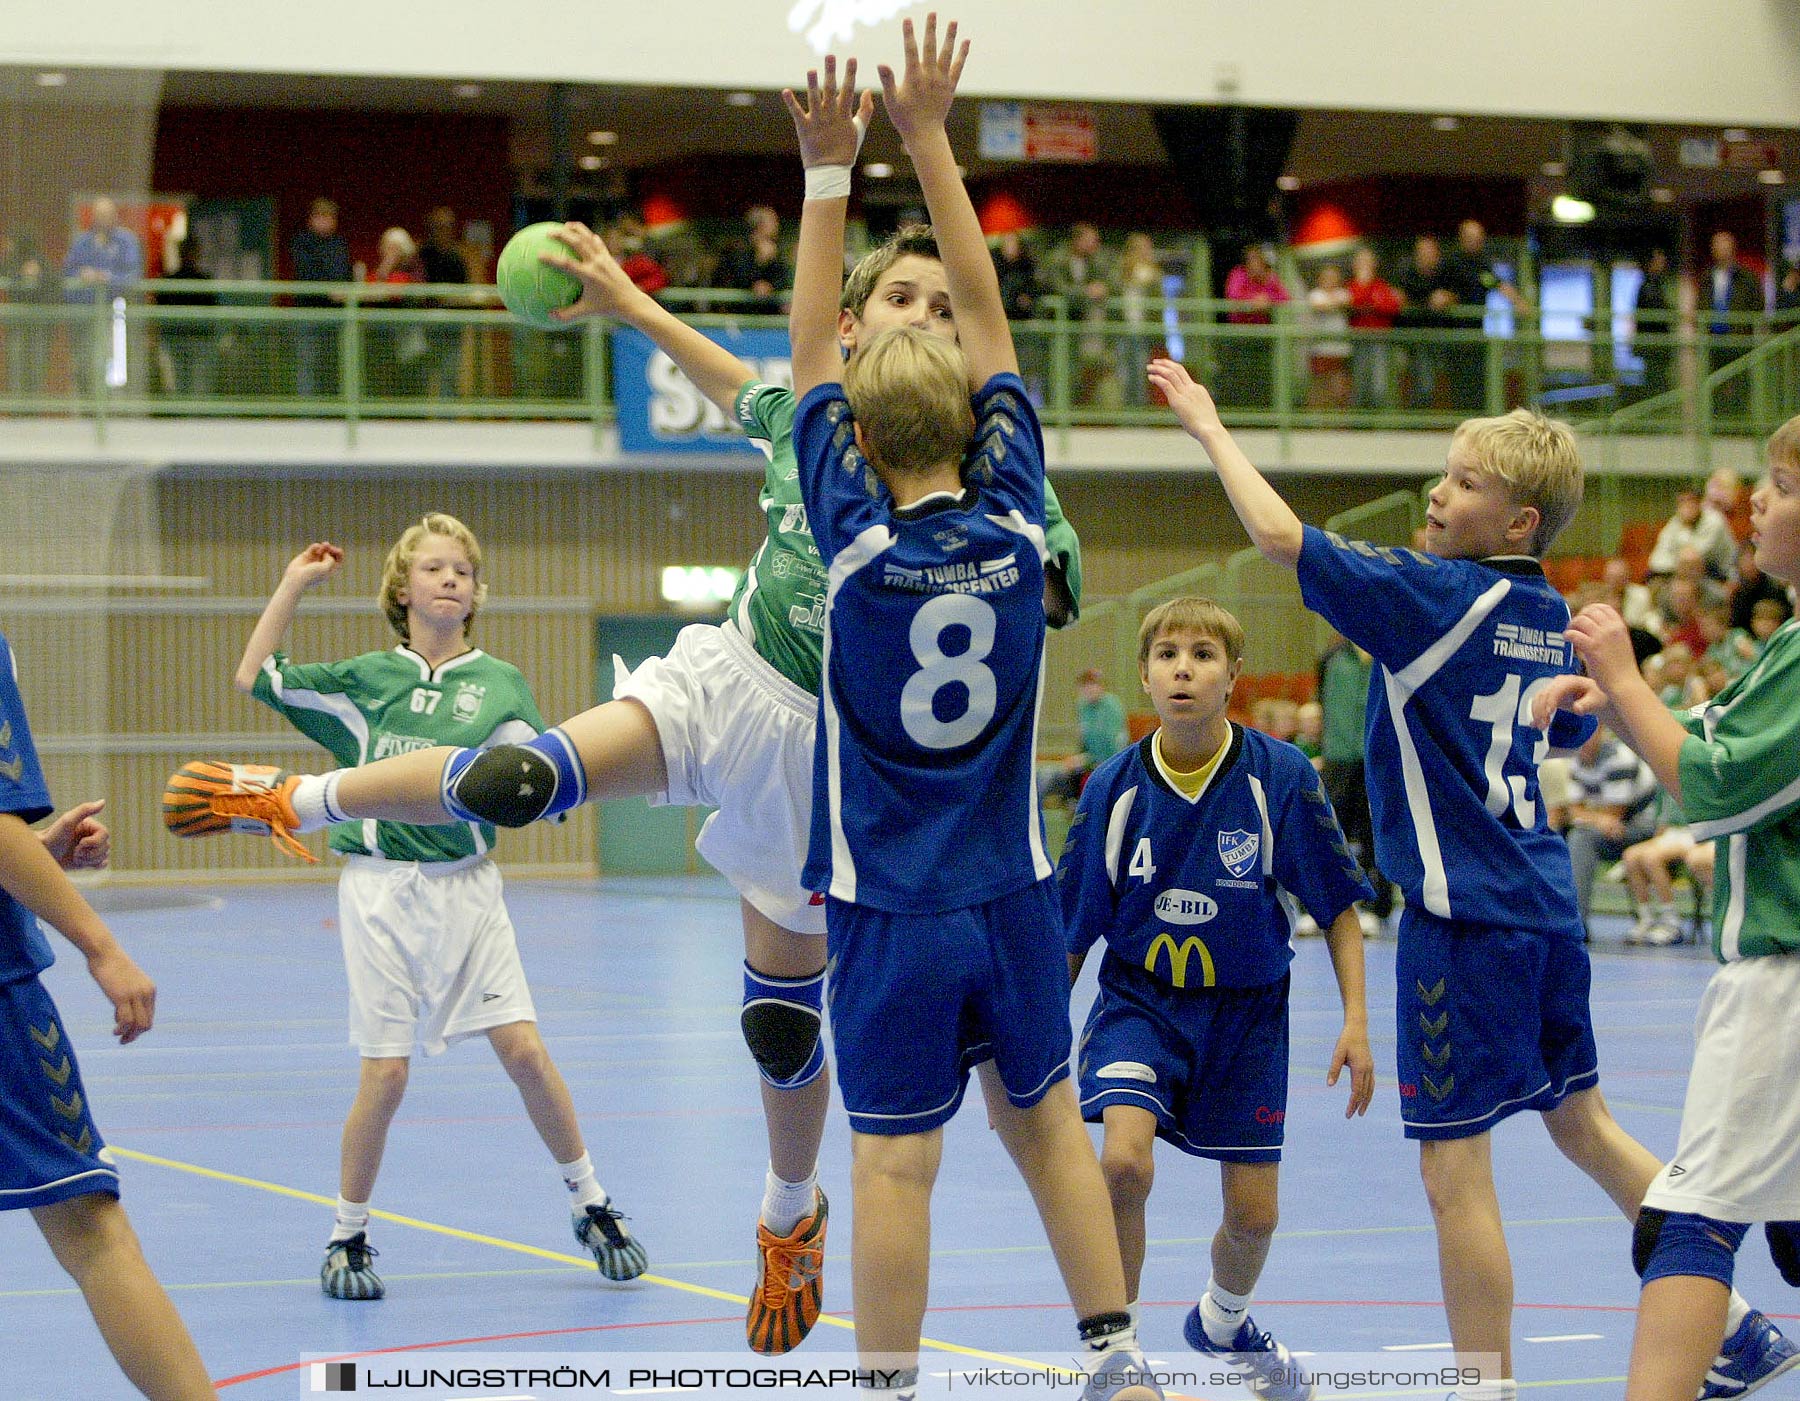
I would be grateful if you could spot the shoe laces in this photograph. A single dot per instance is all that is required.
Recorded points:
(784, 1263)
(265, 807)
(357, 1252)
(605, 1219)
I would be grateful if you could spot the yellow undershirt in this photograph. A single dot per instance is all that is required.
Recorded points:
(1189, 785)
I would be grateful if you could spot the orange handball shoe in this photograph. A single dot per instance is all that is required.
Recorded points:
(785, 1303)
(208, 796)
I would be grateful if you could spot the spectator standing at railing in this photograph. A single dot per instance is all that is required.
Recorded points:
(317, 253)
(106, 260)
(1085, 274)
(397, 352)
(1374, 305)
(444, 260)
(1021, 289)
(1256, 289)
(1140, 286)
(1650, 317)
(1731, 295)
(30, 283)
(756, 265)
(624, 239)
(1428, 297)
(189, 349)
(1471, 273)
(1328, 350)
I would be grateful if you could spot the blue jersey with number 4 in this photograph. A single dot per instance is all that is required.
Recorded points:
(923, 793)
(1462, 648)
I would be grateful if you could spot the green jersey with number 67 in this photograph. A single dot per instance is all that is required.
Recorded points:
(780, 602)
(384, 703)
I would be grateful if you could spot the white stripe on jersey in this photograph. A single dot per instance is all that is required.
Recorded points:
(1731, 928)
(867, 547)
(1034, 822)
(1400, 690)
(1290, 905)
(1115, 832)
(741, 616)
(340, 707)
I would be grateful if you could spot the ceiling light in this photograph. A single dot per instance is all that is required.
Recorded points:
(1735, 133)
(590, 162)
(52, 80)
(1287, 182)
(740, 99)
(1555, 169)
(878, 170)
(603, 138)
(467, 90)
(1771, 177)
(1566, 209)
(1444, 123)
(1662, 194)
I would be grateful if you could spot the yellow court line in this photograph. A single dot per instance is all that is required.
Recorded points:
(519, 1247)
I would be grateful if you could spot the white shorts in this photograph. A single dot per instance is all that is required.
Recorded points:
(1738, 1157)
(430, 952)
(737, 735)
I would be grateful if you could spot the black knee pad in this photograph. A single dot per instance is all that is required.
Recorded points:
(509, 785)
(1784, 1248)
(1643, 1237)
(784, 1041)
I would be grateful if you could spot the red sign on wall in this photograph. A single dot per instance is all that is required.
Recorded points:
(1060, 132)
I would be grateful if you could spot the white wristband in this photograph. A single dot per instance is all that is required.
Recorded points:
(828, 182)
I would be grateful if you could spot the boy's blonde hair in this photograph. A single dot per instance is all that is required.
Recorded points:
(1191, 614)
(910, 393)
(1784, 445)
(1538, 460)
(400, 562)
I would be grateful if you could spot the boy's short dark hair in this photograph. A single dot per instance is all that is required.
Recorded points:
(1191, 614)
(909, 240)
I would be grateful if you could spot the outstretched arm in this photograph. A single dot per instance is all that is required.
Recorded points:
(317, 561)
(827, 127)
(1273, 527)
(607, 291)
(918, 103)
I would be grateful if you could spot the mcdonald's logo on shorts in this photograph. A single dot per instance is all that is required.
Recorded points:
(1178, 958)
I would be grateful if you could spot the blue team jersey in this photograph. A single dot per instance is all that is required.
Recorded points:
(1204, 891)
(24, 952)
(1462, 648)
(923, 792)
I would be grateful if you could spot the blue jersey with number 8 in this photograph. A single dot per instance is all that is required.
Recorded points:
(1462, 649)
(923, 793)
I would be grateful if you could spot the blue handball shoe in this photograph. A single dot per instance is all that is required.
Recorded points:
(1273, 1373)
(1752, 1357)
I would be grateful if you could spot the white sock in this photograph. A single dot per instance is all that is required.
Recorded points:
(584, 1188)
(351, 1217)
(1737, 1309)
(1132, 1309)
(315, 801)
(1222, 1312)
(784, 1203)
(1665, 910)
(1504, 1390)
(901, 1384)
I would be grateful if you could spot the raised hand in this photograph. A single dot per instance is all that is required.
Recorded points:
(920, 98)
(1192, 404)
(318, 561)
(604, 285)
(76, 840)
(1603, 643)
(1577, 694)
(831, 124)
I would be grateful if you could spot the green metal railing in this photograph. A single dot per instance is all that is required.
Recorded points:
(268, 349)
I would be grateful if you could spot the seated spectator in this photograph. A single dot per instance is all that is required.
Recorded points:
(1101, 719)
(1276, 717)
(1374, 305)
(1682, 602)
(1632, 599)
(1613, 805)
(1247, 362)
(1650, 875)
(756, 264)
(1328, 359)
(1671, 674)
(1727, 494)
(1309, 732)
(1729, 651)
(1752, 587)
(624, 239)
(1699, 525)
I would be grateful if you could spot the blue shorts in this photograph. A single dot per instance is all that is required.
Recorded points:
(1210, 1063)
(917, 1000)
(1488, 1022)
(49, 1147)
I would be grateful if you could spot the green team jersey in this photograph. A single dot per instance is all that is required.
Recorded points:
(780, 602)
(1740, 787)
(383, 703)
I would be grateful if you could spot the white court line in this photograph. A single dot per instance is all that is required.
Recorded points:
(1418, 1347)
(1567, 1338)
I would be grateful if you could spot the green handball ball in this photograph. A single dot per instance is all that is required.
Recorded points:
(531, 288)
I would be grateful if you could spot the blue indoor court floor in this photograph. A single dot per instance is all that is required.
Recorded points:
(226, 1119)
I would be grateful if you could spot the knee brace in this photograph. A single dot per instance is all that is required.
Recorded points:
(781, 1022)
(1668, 1243)
(1784, 1248)
(514, 785)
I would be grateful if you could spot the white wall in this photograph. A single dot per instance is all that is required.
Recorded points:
(1717, 61)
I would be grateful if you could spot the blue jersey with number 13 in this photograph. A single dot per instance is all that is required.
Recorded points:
(923, 794)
